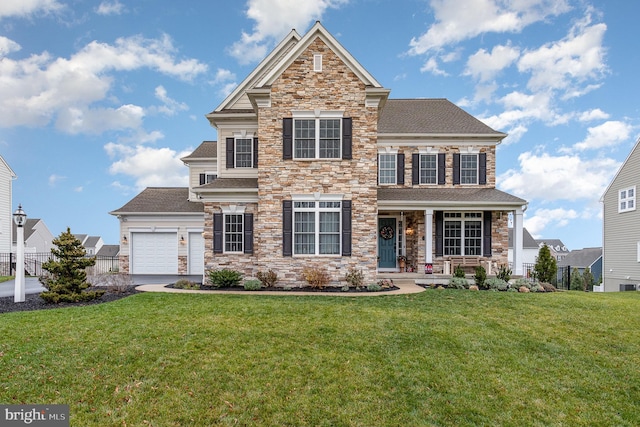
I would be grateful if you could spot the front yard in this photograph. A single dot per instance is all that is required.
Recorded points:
(437, 358)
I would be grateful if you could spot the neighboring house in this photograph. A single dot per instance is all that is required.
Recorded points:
(583, 258)
(91, 244)
(37, 237)
(556, 247)
(6, 209)
(621, 227)
(106, 260)
(530, 247)
(315, 167)
(110, 251)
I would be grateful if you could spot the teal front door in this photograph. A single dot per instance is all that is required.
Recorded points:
(387, 243)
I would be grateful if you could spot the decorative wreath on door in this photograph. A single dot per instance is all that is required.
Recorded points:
(386, 232)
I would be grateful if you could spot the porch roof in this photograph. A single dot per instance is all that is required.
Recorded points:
(459, 197)
(229, 184)
(161, 200)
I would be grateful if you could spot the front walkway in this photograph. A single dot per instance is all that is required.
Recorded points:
(405, 285)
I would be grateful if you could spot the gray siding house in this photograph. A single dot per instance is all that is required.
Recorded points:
(621, 227)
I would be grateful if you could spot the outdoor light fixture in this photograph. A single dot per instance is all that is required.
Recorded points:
(182, 242)
(19, 217)
(124, 239)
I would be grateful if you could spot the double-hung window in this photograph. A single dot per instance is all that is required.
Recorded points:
(244, 152)
(463, 233)
(428, 169)
(317, 138)
(316, 227)
(387, 168)
(233, 232)
(468, 168)
(627, 199)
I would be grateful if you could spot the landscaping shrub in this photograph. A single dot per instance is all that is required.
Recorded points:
(316, 277)
(252, 285)
(521, 282)
(186, 284)
(504, 273)
(67, 279)
(497, 284)
(268, 279)
(224, 278)
(386, 283)
(458, 272)
(354, 277)
(374, 287)
(480, 277)
(458, 283)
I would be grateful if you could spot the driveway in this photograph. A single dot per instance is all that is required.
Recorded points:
(31, 286)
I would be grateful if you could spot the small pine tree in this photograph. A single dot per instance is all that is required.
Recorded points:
(480, 276)
(546, 267)
(589, 280)
(68, 280)
(577, 280)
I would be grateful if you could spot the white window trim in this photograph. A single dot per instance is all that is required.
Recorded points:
(389, 151)
(317, 62)
(627, 199)
(317, 197)
(462, 220)
(429, 151)
(224, 232)
(638, 252)
(242, 135)
(316, 115)
(210, 173)
(477, 155)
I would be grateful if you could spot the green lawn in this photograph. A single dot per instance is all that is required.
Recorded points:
(439, 358)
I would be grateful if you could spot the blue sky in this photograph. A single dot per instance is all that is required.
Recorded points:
(99, 100)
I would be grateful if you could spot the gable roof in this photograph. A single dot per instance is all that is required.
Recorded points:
(528, 242)
(208, 150)
(430, 117)
(29, 228)
(581, 258)
(108, 250)
(635, 147)
(6, 165)
(168, 200)
(91, 241)
(555, 245)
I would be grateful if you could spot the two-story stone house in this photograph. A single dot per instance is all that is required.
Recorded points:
(316, 166)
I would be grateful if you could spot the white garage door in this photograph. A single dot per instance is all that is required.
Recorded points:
(154, 253)
(196, 253)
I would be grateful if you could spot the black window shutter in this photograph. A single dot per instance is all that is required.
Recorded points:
(456, 168)
(287, 228)
(378, 170)
(346, 228)
(439, 233)
(255, 153)
(230, 153)
(217, 233)
(248, 233)
(400, 169)
(287, 138)
(203, 179)
(347, 144)
(482, 168)
(415, 169)
(442, 171)
(486, 234)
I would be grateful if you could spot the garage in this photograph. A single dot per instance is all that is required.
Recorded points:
(154, 253)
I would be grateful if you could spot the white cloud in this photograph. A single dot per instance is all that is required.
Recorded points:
(70, 88)
(273, 20)
(595, 114)
(149, 167)
(567, 177)
(170, 106)
(25, 8)
(543, 217)
(484, 65)
(431, 66)
(563, 64)
(110, 8)
(456, 22)
(7, 46)
(226, 80)
(54, 179)
(608, 134)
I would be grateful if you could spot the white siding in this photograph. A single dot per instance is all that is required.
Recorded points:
(6, 212)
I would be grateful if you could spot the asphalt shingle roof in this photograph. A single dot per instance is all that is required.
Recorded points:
(527, 240)
(231, 183)
(581, 258)
(206, 150)
(429, 116)
(482, 195)
(161, 200)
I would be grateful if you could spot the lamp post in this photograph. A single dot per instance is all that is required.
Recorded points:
(19, 217)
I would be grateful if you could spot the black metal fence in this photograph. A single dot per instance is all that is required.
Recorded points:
(561, 281)
(33, 264)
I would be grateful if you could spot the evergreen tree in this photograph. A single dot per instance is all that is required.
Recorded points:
(546, 267)
(577, 280)
(589, 280)
(67, 280)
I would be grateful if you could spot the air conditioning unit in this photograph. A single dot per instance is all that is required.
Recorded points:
(628, 287)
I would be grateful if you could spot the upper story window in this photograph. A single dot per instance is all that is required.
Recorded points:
(627, 199)
(317, 62)
(317, 139)
(244, 152)
(428, 169)
(207, 177)
(387, 168)
(468, 168)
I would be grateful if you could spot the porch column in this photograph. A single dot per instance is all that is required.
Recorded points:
(517, 242)
(428, 236)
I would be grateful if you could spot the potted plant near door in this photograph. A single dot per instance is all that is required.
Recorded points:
(402, 262)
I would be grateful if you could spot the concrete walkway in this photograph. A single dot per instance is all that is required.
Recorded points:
(406, 286)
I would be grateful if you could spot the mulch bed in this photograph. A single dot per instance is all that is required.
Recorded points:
(34, 302)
